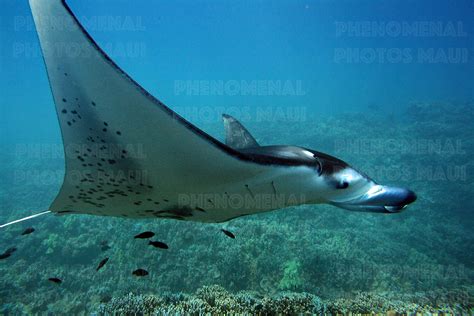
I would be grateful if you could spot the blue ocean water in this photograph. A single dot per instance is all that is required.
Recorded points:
(385, 86)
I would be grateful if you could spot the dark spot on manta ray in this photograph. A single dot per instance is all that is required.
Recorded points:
(68, 123)
(179, 218)
(106, 124)
(228, 233)
(140, 272)
(28, 231)
(74, 112)
(111, 161)
(101, 264)
(177, 211)
(55, 280)
(158, 244)
(119, 133)
(65, 74)
(64, 111)
(93, 103)
(104, 130)
(64, 100)
(145, 235)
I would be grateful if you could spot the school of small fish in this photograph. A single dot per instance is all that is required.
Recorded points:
(105, 246)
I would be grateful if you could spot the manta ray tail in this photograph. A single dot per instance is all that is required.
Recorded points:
(236, 135)
(24, 219)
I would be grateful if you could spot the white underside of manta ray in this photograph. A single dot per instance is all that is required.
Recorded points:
(129, 155)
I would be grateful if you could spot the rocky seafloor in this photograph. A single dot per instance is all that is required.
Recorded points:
(307, 259)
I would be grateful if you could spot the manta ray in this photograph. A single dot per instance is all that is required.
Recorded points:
(129, 155)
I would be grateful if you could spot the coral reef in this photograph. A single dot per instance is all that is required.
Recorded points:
(215, 300)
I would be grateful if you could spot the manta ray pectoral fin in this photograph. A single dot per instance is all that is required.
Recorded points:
(126, 153)
(236, 135)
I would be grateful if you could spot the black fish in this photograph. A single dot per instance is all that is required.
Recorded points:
(140, 272)
(4, 255)
(228, 233)
(101, 264)
(10, 250)
(145, 235)
(158, 244)
(55, 280)
(28, 231)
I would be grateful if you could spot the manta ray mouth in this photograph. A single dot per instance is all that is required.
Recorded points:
(380, 199)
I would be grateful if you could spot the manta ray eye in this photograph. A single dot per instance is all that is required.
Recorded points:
(342, 185)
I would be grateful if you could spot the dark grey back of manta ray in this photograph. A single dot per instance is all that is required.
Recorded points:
(127, 154)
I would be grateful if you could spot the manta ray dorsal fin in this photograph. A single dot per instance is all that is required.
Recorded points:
(236, 135)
